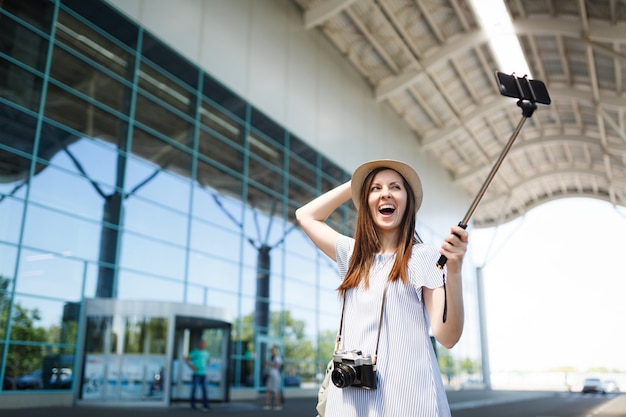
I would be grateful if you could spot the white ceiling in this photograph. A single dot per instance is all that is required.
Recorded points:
(431, 62)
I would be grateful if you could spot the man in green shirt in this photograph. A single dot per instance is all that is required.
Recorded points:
(197, 361)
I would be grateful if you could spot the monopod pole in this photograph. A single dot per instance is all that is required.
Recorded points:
(527, 110)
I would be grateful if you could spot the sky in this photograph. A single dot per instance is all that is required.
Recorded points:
(555, 287)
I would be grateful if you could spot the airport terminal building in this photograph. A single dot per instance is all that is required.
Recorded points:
(152, 155)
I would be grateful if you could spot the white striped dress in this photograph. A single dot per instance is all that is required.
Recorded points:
(408, 376)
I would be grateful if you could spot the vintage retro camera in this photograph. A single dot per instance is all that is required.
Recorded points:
(352, 368)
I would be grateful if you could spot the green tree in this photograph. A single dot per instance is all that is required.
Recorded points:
(446, 364)
(299, 351)
(25, 352)
(469, 366)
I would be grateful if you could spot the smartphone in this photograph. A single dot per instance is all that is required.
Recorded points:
(522, 88)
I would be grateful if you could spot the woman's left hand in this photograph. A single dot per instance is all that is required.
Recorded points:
(454, 246)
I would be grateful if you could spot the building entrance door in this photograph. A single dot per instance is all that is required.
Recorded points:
(134, 351)
(188, 332)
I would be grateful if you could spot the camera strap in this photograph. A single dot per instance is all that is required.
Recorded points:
(380, 322)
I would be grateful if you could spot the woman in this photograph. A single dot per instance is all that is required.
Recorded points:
(272, 386)
(386, 253)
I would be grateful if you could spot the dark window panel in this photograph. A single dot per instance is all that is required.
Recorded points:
(222, 96)
(107, 19)
(267, 126)
(217, 178)
(82, 77)
(78, 36)
(83, 116)
(221, 151)
(19, 85)
(260, 172)
(163, 87)
(169, 60)
(36, 12)
(221, 123)
(266, 149)
(164, 121)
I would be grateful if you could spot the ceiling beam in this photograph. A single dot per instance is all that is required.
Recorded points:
(324, 11)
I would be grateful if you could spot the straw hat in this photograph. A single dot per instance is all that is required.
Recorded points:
(409, 174)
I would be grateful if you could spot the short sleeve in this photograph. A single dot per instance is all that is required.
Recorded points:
(423, 270)
(343, 252)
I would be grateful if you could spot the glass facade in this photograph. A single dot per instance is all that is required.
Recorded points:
(128, 172)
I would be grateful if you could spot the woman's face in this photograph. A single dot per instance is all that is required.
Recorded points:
(387, 199)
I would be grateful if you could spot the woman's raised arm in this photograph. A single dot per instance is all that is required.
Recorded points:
(312, 217)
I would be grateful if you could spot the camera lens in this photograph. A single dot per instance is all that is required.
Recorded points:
(343, 376)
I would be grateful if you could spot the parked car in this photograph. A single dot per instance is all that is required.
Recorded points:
(30, 381)
(291, 381)
(593, 385)
(611, 386)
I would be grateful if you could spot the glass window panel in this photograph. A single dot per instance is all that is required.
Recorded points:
(266, 149)
(302, 171)
(332, 171)
(221, 123)
(19, 85)
(224, 98)
(11, 211)
(146, 184)
(248, 285)
(216, 211)
(214, 274)
(329, 276)
(49, 275)
(5, 298)
(69, 192)
(269, 128)
(300, 194)
(61, 234)
(147, 255)
(24, 366)
(98, 158)
(224, 300)
(214, 240)
(213, 179)
(164, 121)
(134, 334)
(163, 154)
(18, 133)
(261, 200)
(80, 115)
(8, 254)
(81, 76)
(221, 150)
(169, 60)
(133, 286)
(58, 368)
(247, 305)
(99, 337)
(300, 295)
(156, 328)
(37, 13)
(92, 43)
(300, 269)
(155, 222)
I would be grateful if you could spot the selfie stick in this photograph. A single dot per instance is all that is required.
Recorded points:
(528, 107)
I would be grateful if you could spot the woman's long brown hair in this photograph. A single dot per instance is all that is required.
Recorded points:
(366, 240)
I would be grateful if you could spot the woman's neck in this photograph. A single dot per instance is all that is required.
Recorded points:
(387, 242)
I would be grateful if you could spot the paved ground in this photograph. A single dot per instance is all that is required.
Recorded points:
(294, 407)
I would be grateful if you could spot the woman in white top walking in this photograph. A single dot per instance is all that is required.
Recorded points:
(386, 256)
(272, 386)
